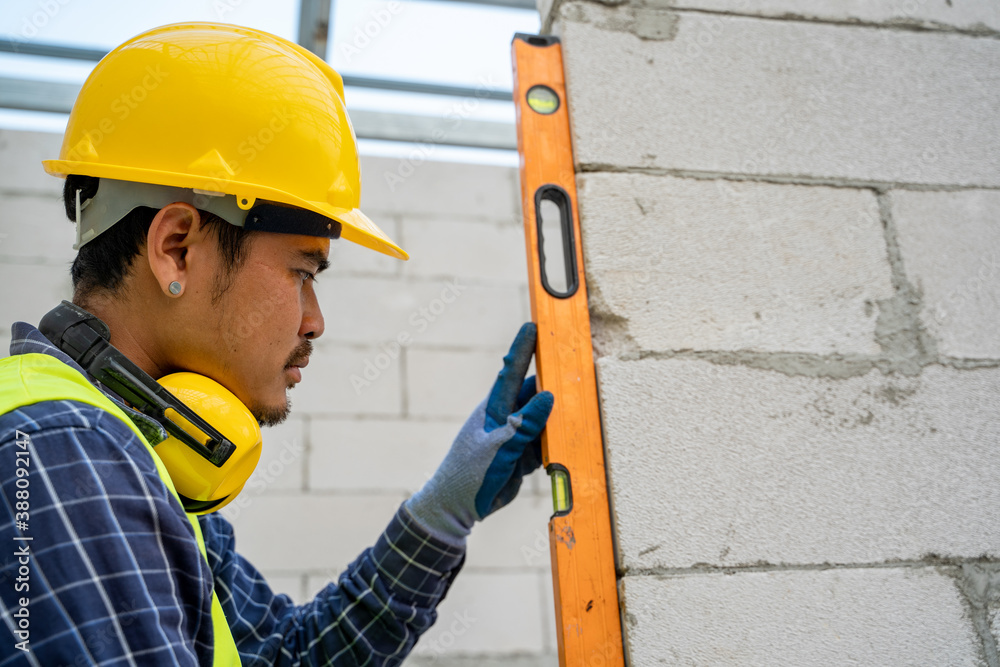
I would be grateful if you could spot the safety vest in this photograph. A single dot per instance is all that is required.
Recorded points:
(26, 379)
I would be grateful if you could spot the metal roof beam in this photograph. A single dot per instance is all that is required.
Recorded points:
(58, 97)
(482, 92)
(314, 25)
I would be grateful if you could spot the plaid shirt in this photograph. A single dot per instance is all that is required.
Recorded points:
(113, 574)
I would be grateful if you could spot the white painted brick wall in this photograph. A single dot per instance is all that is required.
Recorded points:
(20, 240)
(351, 259)
(376, 454)
(332, 475)
(488, 251)
(450, 383)
(327, 387)
(36, 239)
(439, 189)
(786, 98)
(867, 618)
(31, 290)
(723, 265)
(950, 243)
(513, 537)
(425, 311)
(310, 531)
(21, 169)
(282, 460)
(479, 616)
(288, 584)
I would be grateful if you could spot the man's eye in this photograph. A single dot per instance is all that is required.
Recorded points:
(307, 276)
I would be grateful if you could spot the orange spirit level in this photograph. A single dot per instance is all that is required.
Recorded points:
(580, 541)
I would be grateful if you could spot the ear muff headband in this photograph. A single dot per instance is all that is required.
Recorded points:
(85, 339)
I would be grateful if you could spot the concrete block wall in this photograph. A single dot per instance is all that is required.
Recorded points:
(791, 227)
(372, 418)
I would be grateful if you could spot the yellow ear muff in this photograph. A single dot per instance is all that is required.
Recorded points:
(203, 486)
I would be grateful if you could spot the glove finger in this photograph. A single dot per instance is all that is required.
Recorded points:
(507, 494)
(503, 397)
(504, 472)
(499, 474)
(528, 389)
(532, 457)
(534, 415)
(531, 460)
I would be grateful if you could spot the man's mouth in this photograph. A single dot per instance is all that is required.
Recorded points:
(295, 366)
(300, 355)
(301, 363)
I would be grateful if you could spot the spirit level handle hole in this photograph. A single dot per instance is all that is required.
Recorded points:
(558, 266)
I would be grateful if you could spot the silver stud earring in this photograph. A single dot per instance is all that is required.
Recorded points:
(175, 288)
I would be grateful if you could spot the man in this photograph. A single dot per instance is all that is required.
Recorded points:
(208, 166)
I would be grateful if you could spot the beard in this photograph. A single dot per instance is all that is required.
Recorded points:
(270, 415)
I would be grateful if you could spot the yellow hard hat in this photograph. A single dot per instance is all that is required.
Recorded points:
(225, 110)
(203, 485)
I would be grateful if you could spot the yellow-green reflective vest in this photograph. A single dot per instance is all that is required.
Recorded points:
(26, 379)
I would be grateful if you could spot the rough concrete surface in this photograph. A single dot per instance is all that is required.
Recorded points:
(980, 584)
(994, 619)
(979, 17)
(858, 617)
(950, 246)
(695, 264)
(729, 94)
(973, 16)
(734, 466)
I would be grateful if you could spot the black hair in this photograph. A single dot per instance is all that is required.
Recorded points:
(102, 264)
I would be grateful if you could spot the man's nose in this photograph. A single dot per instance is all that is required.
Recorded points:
(312, 318)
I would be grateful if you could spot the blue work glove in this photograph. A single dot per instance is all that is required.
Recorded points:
(499, 444)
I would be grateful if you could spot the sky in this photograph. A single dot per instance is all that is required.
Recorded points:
(444, 42)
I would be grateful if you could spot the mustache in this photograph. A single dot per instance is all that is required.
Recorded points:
(300, 353)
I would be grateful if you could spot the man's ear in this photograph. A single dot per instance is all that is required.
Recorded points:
(174, 231)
